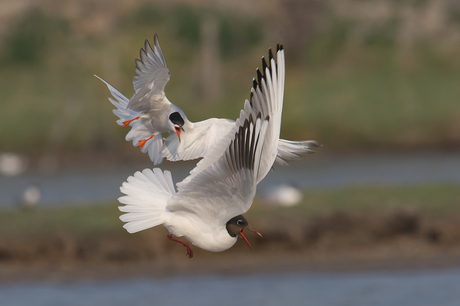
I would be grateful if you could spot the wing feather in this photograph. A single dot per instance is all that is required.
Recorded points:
(228, 186)
(196, 141)
(266, 100)
(151, 76)
(223, 183)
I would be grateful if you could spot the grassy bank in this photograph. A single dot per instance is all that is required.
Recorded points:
(436, 201)
(353, 228)
(342, 90)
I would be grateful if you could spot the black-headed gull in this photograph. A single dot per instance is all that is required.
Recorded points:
(150, 113)
(208, 206)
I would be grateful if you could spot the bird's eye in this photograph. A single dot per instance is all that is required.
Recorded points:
(239, 222)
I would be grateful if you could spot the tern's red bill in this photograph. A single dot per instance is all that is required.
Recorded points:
(177, 130)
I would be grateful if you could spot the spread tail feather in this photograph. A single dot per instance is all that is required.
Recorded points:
(146, 196)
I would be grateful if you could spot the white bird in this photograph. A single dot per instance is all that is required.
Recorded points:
(208, 205)
(150, 113)
(12, 164)
(284, 195)
(30, 197)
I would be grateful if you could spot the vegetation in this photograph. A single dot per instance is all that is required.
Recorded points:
(349, 84)
(86, 221)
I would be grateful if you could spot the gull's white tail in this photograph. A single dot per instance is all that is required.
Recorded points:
(146, 196)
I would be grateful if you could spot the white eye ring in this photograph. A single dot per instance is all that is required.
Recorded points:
(239, 222)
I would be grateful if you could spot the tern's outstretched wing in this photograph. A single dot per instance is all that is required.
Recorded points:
(151, 76)
(196, 140)
(223, 184)
(204, 135)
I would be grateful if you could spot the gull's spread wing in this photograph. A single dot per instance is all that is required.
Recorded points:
(227, 187)
(224, 182)
(267, 99)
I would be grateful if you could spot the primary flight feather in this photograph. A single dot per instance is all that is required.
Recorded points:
(150, 113)
(208, 206)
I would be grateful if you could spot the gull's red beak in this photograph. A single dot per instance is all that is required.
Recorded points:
(252, 230)
(177, 130)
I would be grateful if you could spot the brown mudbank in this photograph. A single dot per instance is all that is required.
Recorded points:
(323, 238)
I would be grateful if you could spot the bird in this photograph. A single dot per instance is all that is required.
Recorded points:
(150, 113)
(30, 197)
(12, 164)
(208, 207)
(283, 195)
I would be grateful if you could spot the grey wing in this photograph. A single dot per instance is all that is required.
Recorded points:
(227, 187)
(266, 100)
(151, 76)
(223, 183)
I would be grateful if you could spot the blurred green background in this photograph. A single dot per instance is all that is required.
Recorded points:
(364, 77)
(361, 75)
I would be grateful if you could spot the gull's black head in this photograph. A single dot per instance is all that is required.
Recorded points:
(236, 225)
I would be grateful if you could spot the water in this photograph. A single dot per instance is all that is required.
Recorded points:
(79, 186)
(417, 288)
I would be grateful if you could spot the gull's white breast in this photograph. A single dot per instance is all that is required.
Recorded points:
(200, 233)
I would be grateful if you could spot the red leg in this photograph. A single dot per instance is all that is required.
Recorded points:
(142, 142)
(126, 123)
(185, 244)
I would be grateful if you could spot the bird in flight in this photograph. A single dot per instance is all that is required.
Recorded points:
(149, 113)
(208, 206)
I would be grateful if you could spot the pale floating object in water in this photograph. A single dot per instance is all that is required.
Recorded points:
(31, 196)
(284, 195)
(12, 164)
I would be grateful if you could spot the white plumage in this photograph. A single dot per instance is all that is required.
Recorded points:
(148, 113)
(223, 184)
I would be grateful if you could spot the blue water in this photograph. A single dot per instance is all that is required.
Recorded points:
(413, 288)
(80, 186)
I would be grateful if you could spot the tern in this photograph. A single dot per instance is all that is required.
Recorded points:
(207, 208)
(150, 113)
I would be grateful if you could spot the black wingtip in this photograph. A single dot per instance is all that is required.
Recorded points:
(270, 55)
(254, 83)
(259, 76)
(264, 64)
(279, 47)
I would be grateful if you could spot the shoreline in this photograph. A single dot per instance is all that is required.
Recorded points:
(282, 263)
